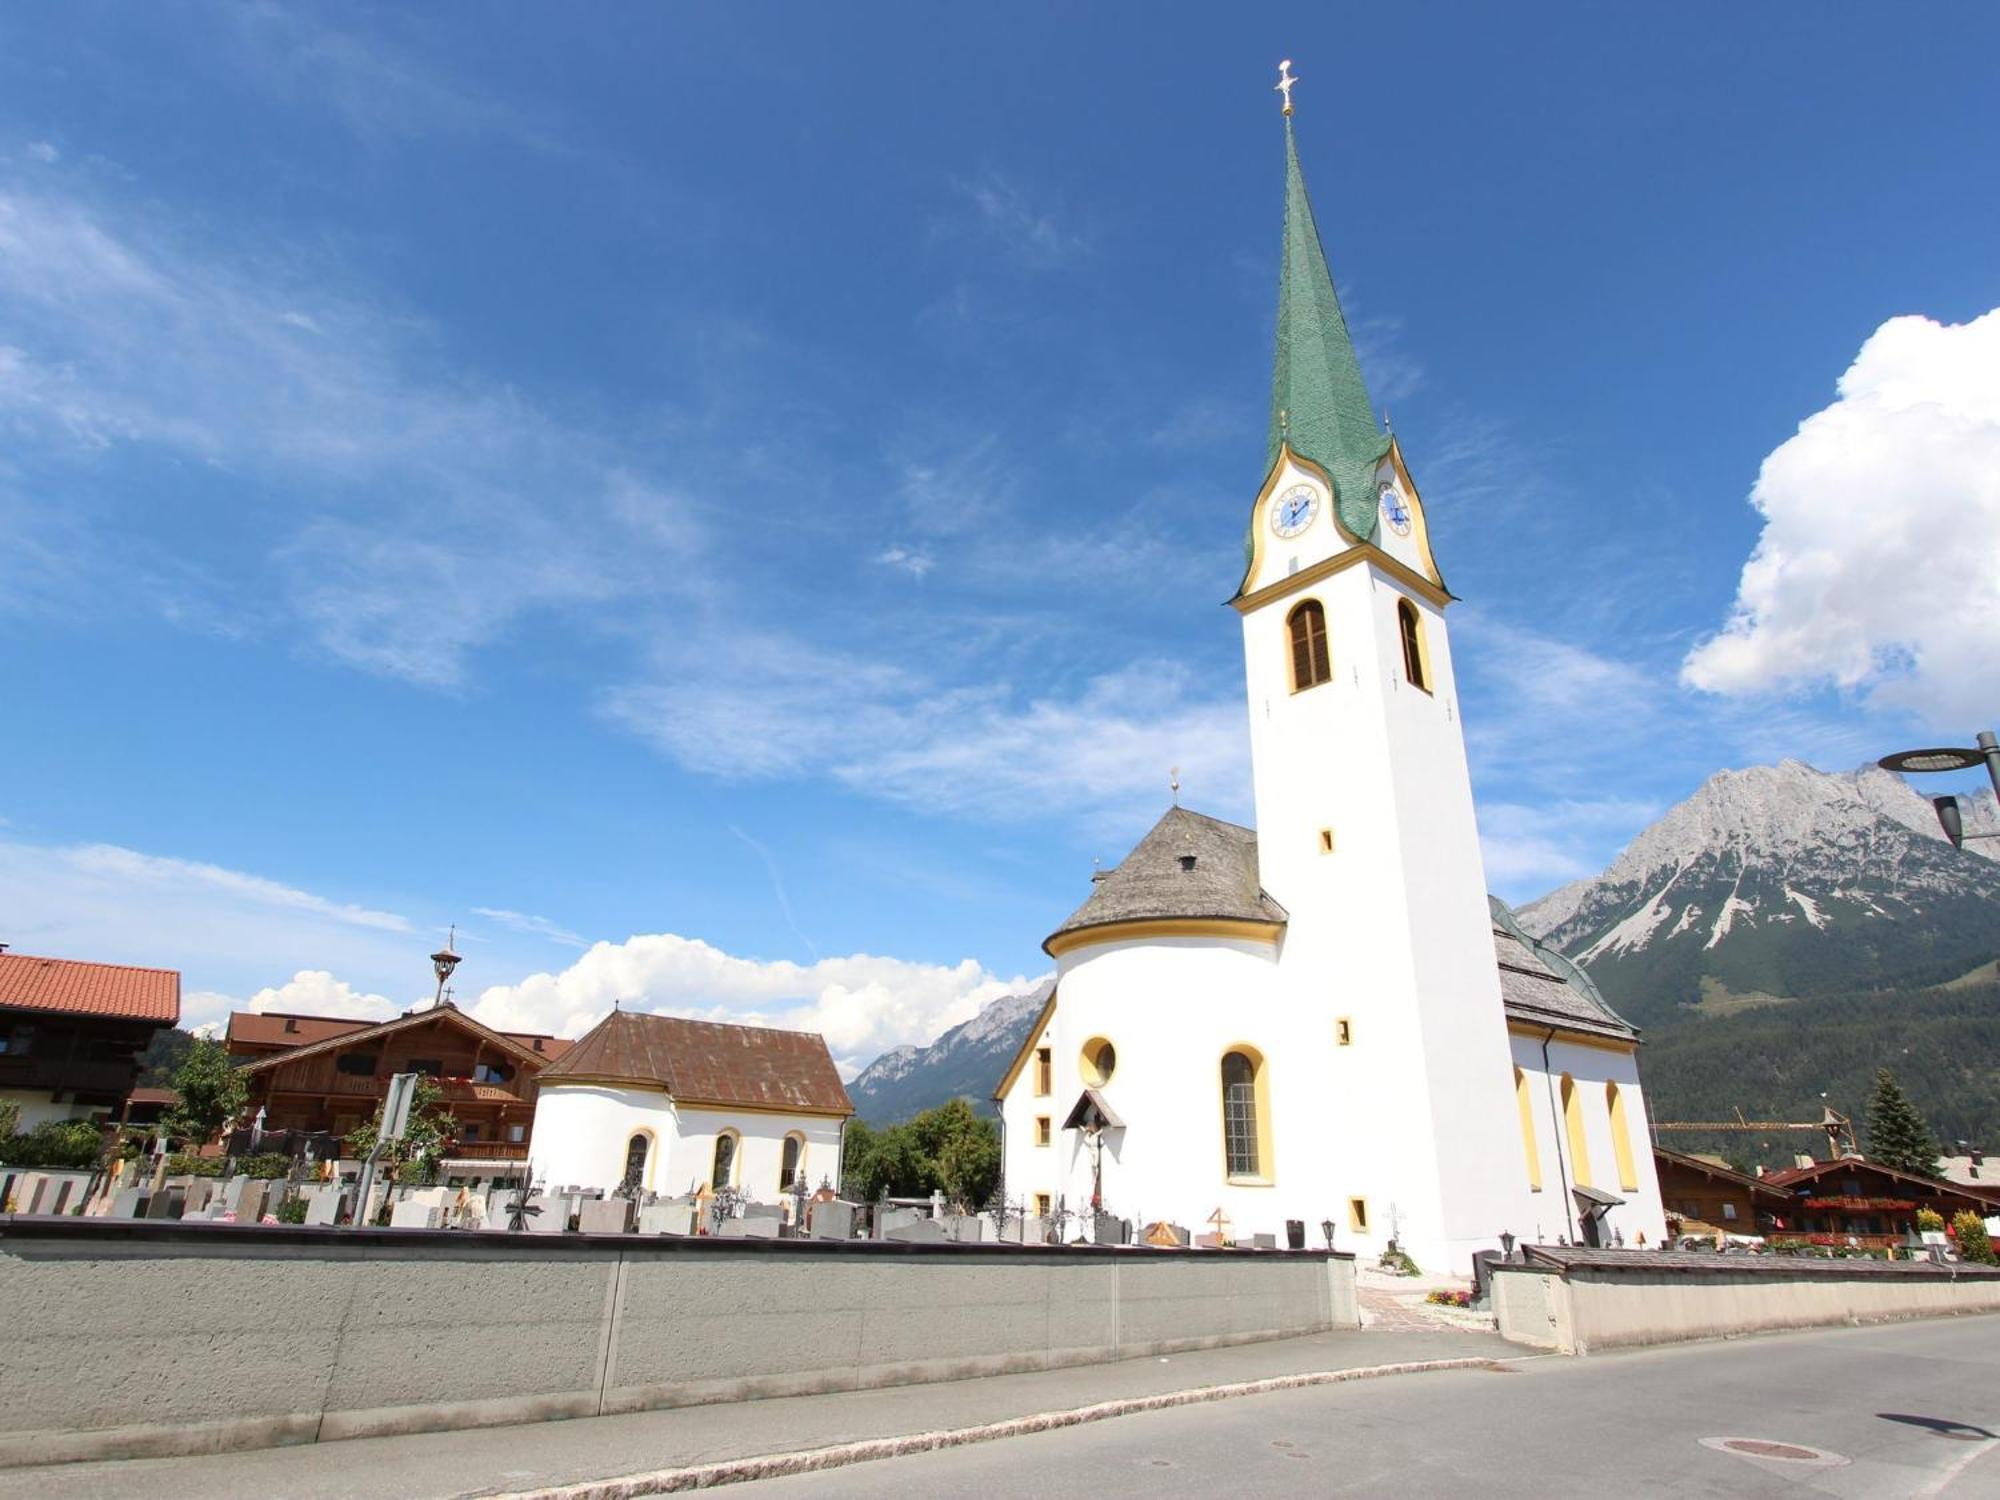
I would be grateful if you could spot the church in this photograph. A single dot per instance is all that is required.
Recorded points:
(1326, 1019)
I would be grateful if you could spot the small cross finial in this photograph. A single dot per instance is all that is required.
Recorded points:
(1285, 82)
(1174, 783)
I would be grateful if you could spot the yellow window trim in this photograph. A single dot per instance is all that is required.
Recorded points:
(1033, 1040)
(1621, 1138)
(1357, 1215)
(1525, 1101)
(1260, 1074)
(1579, 1141)
(1044, 1130)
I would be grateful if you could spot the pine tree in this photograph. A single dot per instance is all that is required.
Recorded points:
(1897, 1134)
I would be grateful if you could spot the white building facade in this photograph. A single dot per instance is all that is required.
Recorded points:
(1324, 1021)
(669, 1106)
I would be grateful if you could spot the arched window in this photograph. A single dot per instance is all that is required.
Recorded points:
(788, 1166)
(1310, 663)
(1621, 1138)
(636, 1151)
(1098, 1061)
(1579, 1147)
(725, 1160)
(1416, 662)
(1243, 1115)
(1524, 1101)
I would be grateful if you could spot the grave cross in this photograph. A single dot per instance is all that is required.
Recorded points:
(1220, 1220)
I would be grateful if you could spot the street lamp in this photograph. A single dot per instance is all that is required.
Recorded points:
(443, 962)
(1950, 758)
(1326, 1228)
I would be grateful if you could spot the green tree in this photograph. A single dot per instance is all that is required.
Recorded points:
(10, 1122)
(428, 1134)
(1974, 1244)
(211, 1091)
(950, 1149)
(1897, 1134)
(962, 1150)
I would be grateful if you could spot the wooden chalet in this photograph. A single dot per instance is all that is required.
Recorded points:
(1856, 1202)
(1705, 1197)
(73, 1034)
(328, 1075)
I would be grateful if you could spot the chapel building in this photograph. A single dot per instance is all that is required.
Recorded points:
(646, 1103)
(1326, 1019)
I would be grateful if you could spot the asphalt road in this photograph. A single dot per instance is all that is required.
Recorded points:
(1908, 1410)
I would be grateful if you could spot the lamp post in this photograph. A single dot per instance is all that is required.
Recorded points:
(442, 963)
(1950, 818)
(1326, 1228)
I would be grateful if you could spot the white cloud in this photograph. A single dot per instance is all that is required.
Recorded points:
(1878, 570)
(533, 926)
(766, 707)
(862, 1004)
(131, 869)
(315, 992)
(911, 560)
(42, 151)
(410, 518)
(1031, 233)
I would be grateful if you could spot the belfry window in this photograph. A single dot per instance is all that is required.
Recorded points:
(1310, 663)
(1416, 666)
(1241, 1156)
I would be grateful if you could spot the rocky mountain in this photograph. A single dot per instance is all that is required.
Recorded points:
(967, 1060)
(1781, 883)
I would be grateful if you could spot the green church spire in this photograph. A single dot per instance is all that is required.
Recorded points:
(1318, 401)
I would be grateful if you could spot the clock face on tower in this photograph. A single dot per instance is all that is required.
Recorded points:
(1395, 510)
(1293, 511)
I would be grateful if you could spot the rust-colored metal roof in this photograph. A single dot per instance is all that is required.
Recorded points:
(69, 986)
(707, 1062)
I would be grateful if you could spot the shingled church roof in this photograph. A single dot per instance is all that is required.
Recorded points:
(1193, 867)
(1190, 867)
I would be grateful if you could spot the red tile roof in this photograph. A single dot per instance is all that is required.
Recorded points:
(707, 1062)
(71, 987)
(152, 1096)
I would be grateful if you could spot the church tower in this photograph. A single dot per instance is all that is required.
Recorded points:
(1366, 834)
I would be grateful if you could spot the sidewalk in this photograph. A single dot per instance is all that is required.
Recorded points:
(499, 1460)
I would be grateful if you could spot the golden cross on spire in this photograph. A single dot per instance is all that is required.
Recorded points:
(1285, 82)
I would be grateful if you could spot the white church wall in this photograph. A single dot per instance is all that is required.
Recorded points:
(1390, 927)
(582, 1132)
(1589, 1069)
(759, 1155)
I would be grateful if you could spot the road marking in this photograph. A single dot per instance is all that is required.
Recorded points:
(1950, 1472)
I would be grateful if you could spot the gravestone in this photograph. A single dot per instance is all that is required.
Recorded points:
(28, 1192)
(411, 1214)
(554, 1215)
(166, 1204)
(199, 1194)
(323, 1207)
(892, 1219)
(1034, 1231)
(500, 1204)
(128, 1203)
(920, 1231)
(1208, 1242)
(832, 1220)
(605, 1216)
(1263, 1242)
(255, 1197)
(1166, 1236)
(763, 1211)
(667, 1218)
(1110, 1231)
(966, 1229)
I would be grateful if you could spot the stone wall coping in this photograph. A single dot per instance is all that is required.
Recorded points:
(203, 1233)
(1568, 1260)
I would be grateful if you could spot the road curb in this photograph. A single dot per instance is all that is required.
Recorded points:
(866, 1450)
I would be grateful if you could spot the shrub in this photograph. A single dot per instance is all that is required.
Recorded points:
(1930, 1220)
(181, 1164)
(60, 1144)
(264, 1164)
(1974, 1244)
(292, 1210)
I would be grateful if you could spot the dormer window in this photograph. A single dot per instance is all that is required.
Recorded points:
(1311, 664)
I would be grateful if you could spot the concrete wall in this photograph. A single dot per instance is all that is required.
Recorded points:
(124, 1339)
(1583, 1309)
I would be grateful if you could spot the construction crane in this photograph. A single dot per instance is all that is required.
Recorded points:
(1837, 1128)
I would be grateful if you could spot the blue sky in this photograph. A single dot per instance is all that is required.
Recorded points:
(756, 490)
